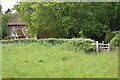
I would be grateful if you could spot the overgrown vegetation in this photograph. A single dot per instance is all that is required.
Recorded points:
(35, 60)
(116, 41)
(75, 43)
(111, 35)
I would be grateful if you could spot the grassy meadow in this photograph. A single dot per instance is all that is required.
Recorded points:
(56, 61)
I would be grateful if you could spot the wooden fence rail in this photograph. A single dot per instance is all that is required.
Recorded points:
(101, 46)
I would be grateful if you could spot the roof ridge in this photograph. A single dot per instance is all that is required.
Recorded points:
(14, 20)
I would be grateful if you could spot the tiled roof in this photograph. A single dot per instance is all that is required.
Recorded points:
(14, 21)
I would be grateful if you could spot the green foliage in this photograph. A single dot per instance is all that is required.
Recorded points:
(68, 20)
(95, 31)
(116, 41)
(111, 35)
(74, 44)
(0, 22)
(5, 18)
(80, 44)
(6, 37)
(0, 8)
(88, 48)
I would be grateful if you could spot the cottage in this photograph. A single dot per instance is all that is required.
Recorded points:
(16, 28)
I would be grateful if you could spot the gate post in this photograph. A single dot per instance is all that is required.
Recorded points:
(108, 46)
(97, 46)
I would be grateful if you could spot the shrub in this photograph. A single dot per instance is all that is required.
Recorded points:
(75, 43)
(6, 37)
(111, 35)
(116, 41)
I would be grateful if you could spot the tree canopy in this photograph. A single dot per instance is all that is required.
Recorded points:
(5, 18)
(70, 19)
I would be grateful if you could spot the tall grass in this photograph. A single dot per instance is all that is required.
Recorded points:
(56, 61)
(0, 61)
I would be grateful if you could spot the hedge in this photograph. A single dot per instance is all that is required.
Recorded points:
(76, 43)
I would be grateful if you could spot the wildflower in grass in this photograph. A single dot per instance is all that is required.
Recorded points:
(21, 71)
(88, 72)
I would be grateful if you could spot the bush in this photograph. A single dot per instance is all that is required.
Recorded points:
(116, 41)
(111, 35)
(88, 48)
(6, 37)
(75, 43)
(80, 44)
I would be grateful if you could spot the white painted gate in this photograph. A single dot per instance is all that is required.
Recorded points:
(101, 46)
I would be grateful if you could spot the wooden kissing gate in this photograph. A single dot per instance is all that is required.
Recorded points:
(101, 46)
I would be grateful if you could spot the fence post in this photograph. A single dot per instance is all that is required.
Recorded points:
(108, 46)
(35, 37)
(102, 42)
(97, 46)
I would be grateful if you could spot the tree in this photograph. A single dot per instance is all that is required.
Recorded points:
(68, 20)
(5, 18)
(0, 8)
(0, 22)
